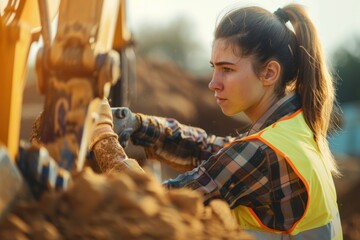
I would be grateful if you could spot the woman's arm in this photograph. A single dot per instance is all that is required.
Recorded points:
(233, 174)
(180, 146)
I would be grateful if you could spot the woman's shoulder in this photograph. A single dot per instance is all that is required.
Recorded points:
(247, 148)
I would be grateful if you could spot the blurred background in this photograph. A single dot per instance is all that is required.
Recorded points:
(172, 42)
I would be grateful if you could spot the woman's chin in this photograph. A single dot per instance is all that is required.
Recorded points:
(228, 112)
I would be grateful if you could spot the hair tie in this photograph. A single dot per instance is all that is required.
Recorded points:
(281, 15)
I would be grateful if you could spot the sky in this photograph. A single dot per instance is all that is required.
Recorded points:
(336, 20)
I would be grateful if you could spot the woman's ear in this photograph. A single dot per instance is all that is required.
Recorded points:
(271, 73)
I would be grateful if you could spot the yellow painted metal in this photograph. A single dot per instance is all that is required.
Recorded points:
(16, 37)
(122, 34)
(15, 44)
(107, 27)
(95, 15)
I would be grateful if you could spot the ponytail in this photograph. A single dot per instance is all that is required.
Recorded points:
(314, 82)
(265, 36)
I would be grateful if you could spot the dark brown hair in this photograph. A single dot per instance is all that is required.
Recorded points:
(256, 32)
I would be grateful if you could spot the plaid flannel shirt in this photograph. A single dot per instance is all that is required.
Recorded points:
(247, 173)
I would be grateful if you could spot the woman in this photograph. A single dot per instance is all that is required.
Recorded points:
(277, 177)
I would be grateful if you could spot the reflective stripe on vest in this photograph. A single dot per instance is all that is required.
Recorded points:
(291, 138)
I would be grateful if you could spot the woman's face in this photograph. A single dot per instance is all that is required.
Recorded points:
(237, 88)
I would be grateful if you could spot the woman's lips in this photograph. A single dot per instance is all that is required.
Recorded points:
(220, 100)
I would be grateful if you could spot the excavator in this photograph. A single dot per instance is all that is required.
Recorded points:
(47, 187)
(89, 57)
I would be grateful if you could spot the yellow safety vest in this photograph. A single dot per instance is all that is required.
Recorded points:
(291, 138)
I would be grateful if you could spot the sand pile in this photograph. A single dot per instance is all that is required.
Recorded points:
(120, 206)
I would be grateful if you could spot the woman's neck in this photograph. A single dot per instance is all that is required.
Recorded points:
(255, 112)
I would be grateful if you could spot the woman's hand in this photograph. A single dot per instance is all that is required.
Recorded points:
(104, 125)
(125, 123)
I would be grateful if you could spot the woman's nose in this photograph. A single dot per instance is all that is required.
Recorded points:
(215, 85)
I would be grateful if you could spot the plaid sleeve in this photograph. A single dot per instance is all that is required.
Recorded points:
(251, 174)
(180, 146)
(233, 174)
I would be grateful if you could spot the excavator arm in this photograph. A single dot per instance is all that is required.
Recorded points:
(19, 28)
(75, 70)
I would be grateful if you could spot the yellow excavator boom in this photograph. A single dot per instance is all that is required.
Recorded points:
(19, 28)
(74, 69)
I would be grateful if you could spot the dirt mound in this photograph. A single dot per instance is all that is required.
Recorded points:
(120, 206)
(163, 89)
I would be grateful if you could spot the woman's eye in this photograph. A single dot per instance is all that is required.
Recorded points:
(225, 69)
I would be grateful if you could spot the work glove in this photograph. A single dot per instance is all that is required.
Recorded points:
(125, 123)
(104, 125)
(109, 155)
